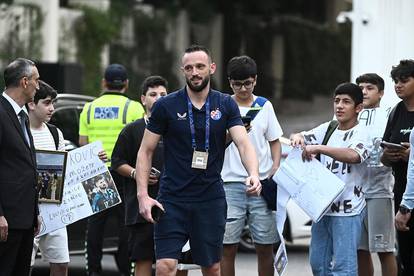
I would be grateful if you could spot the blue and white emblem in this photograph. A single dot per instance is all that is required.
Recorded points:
(215, 114)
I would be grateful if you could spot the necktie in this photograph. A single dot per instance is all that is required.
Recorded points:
(23, 124)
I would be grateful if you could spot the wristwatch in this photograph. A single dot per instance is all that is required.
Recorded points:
(404, 210)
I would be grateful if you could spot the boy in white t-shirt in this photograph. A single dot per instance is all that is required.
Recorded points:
(335, 238)
(54, 245)
(264, 133)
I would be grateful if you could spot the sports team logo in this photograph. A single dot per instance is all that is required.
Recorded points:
(182, 116)
(215, 114)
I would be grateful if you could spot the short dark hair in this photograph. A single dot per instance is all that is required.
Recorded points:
(371, 78)
(196, 48)
(17, 69)
(403, 70)
(241, 67)
(153, 81)
(45, 90)
(352, 90)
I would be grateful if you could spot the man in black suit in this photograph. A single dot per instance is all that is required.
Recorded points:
(18, 177)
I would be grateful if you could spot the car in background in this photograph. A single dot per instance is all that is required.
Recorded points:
(298, 223)
(66, 116)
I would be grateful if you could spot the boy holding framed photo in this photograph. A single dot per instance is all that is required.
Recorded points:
(54, 245)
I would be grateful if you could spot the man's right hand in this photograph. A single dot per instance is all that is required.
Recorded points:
(401, 221)
(4, 229)
(145, 205)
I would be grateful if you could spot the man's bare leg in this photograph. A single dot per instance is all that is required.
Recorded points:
(166, 267)
(143, 268)
(213, 270)
(388, 263)
(265, 259)
(365, 265)
(58, 269)
(227, 262)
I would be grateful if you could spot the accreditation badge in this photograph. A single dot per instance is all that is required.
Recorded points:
(200, 159)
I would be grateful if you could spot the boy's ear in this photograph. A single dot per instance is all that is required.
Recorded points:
(359, 108)
(31, 106)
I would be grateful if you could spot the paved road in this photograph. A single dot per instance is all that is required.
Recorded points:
(295, 116)
(246, 264)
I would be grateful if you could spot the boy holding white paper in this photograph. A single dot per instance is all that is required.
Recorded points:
(335, 237)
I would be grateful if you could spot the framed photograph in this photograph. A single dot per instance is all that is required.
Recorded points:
(51, 168)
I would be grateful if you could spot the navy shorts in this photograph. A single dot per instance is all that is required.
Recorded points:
(141, 242)
(203, 223)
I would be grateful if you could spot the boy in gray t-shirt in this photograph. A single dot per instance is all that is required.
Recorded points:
(378, 232)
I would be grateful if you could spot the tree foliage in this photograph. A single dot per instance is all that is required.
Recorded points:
(93, 31)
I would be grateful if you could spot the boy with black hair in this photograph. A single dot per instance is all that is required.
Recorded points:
(264, 133)
(335, 237)
(378, 232)
(54, 245)
(398, 129)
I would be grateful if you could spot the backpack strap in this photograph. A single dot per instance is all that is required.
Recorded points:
(256, 106)
(53, 130)
(331, 128)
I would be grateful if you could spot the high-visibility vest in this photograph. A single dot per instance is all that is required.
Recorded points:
(105, 117)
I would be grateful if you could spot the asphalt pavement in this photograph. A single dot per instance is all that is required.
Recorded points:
(295, 116)
(246, 264)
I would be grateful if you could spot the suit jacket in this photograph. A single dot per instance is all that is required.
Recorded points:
(18, 176)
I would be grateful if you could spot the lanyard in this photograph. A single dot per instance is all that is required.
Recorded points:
(191, 119)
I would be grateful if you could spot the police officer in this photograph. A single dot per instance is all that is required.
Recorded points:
(102, 120)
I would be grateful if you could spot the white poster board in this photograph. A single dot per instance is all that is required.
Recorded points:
(88, 189)
(312, 186)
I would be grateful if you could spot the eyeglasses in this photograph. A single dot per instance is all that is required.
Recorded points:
(237, 85)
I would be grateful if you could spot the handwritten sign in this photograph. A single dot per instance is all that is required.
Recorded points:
(310, 184)
(88, 189)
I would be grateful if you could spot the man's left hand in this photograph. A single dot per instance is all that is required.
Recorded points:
(401, 221)
(254, 187)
